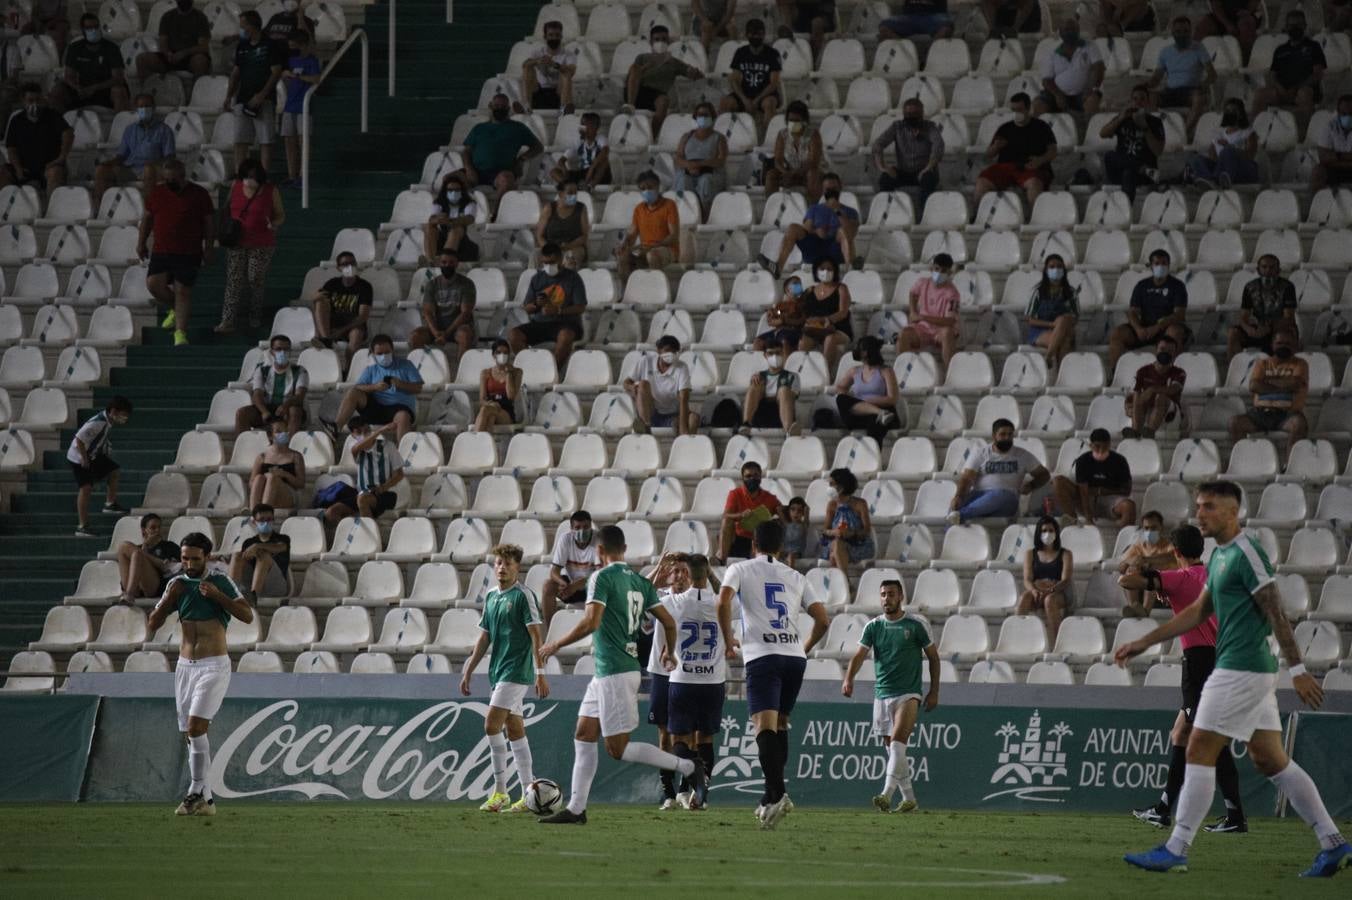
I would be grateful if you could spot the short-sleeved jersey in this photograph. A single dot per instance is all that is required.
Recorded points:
(346, 300)
(1234, 574)
(1179, 588)
(94, 434)
(507, 617)
(898, 653)
(772, 595)
(626, 595)
(700, 653)
(279, 386)
(574, 561)
(193, 607)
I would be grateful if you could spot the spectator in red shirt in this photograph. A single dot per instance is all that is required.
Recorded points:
(180, 217)
(1157, 396)
(741, 516)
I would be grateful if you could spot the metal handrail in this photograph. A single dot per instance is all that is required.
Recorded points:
(305, 104)
(450, 12)
(390, 50)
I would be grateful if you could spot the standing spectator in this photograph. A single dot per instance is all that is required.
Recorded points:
(263, 561)
(714, 18)
(660, 388)
(301, 75)
(499, 388)
(1157, 394)
(497, 149)
(747, 506)
(1267, 306)
(448, 301)
(586, 163)
(995, 476)
(1239, 18)
(1072, 74)
(919, 145)
(342, 306)
(701, 158)
(815, 18)
(754, 78)
(180, 216)
(771, 396)
(866, 394)
(1278, 387)
(1184, 75)
(1229, 159)
(556, 298)
(385, 393)
(1298, 68)
(932, 319)
(277, 389)
(798, 154)
(785, 319)
(91, 460)
(94, 73)
(257, 69)
(144, 569)
(1053, 311)
(1022, 152)
(654, 237)
(145, 145)
(1140, 141)
(547, 75)
(826, 314)
(380, 468)
(1159, 305)
(278, 474)
(38, 140)
(565, 222)
(848, 535)
(285, 25)
(1048, 576)
(823, 234)
(257, 206)
(570, 565)
(795, 532)
(1335, 149)
(1152, 550)
(184, 46)
(918, 17)
(1101, 488)
(652, 76)
(1010, 18)
(449, 225)
(1117, 17)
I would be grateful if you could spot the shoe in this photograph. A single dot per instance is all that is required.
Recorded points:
(518, 807)
(1205, 184)
(699, 785)
(1157, 860)
(760, 811)
(1129, 434)
(225, 329)
(1152, 815)
(115, 507)
(1224, 181)
(882, 804)
(496, 803)
(668, 803)
(788, 804)
(168, 321)
(565, 816)
(190, 805)
(180, 338)
(1227, 825)
(908, 806)
(774, 814)
(1329, 862)
(887, 419)
(684, 798)
(85, 531)
(953, 518)
(206, 809)
(640, 426)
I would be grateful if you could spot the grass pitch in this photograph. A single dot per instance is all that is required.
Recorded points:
(366, 849)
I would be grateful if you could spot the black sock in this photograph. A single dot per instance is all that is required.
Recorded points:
(682, 751)
(767, 747)
(667, 777)
(706, 755)
(1178, 764)
(1227, 779)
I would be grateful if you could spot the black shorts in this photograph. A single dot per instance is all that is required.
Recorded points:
(1053, 104)
(646, 98)
(377, 413)
(547, 332)
(1267, 418)
(1176, 97)
(657, 701)
(1197, 665)
(506, 406)
(182, 268)
(546, 98)
(767, 414)
(384, 501)
(773, 683)
(806, 12)
(695, 708)
(466, 250)
(100, 467)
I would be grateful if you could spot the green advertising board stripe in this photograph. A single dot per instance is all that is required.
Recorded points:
(44, 746)
(1320, 747)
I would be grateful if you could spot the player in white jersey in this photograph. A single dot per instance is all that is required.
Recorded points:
(665, 579)
(699, 682)
(772, 595)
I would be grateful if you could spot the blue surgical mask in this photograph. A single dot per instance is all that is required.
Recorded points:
(263, 527)
(1055, 275)
(280, 357)
(1159, 271)
(1150, 536)
(796, 289)
(938, 277)
(1345, 122)
(650, 196)
(453, 196)
(282, 438)
(92, 35)
(704, 121)
(143, 113)
(243, 34)
(570, 199)
(384, 359)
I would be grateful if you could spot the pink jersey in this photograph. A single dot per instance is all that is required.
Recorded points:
(1181, 587)
(937, 300)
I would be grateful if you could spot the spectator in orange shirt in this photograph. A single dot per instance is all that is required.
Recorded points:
(742, 513)
(654, 238)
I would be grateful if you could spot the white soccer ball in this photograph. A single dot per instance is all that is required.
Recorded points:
(543, 796)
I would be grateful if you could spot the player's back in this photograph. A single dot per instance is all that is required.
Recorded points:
(772, 595)
(700, 657)
(626, 595)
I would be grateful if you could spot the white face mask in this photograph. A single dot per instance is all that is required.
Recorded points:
(453, 196)
(1160, 271)
(31, 110)
(551, 269)
(251, 183)
(660, 46)
(143, 113)
(1150, 536)
(704, 121)
(384, 359)
(666, 358)
(797, 127)
(826, 276)
(938, 277)
(832, 493)
(1049, 537)
(348, 271)
(775, 360)
(502, 359)
(1021, 118)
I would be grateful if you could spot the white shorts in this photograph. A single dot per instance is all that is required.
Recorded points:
(255, 129)
(199, 687)
(508, 695)
(614, 700)
(1236, 704)
(885, 712)
(291, 125)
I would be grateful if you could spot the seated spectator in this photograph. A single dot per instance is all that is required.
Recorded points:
(1157, 394)
(652, 76)
(144, 569)
(1278, 387)
(713, 19)
(771, 396)
(1184, 75)
(184, 46)
(785, 319)
(385, 393)
(251, 94)
(1101, 487)
(497, 149)
(1267, 306)
(994, 476)
(1022, 151)
(798, 154)
(754, 77)
(848, 535)
(91, 461)
(342, 306)
(278, 474)
(1152, 550)
(747, 506)
(1140, 141)
(565, 222)
(815, 18)
(276, 389)
(918, 17)
(932, 318)
(1010, 18)
(1298, 67)
(1185, 574)
(918, 145)
(1117, 17)
(145, 144)
(825, 232)
(499, 388)
(262, 564)
(1072, 74)
(1048, 577)
(298, 79)
(555, 301)
(38, 140)
(654, 237)
(448, 300)
(94, 74)
(1335, 149)
(380, 468)
(547, 75)
(570, 565)
(449, 225)
(702, 158)
(1053, 311)
(660, 388)
(284, 25)
(586, 163)
(1240, 18)
(795, 532)
(1159, 305)
(866, 394)
(826, 314)
(1230, 157)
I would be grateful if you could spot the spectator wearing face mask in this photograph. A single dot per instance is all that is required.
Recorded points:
(1048, 576)
(798, 154)
(1278, 388)
(277, 389)
(184, 46)
(181, 218)
(38, 141)
(918, 146)
(1140, 141)
(547, 75)
(866, 394)
(1053, 311)
(826, 315)
(570, 565)
(771, 396)
(1101, 488)
(1184, 74)
(1297, 72)
(1158, 306)
(1267, 307)
(660, 388)
(94, 73)
(1072, 74)
(380, 468)
(1335, 149)
(785, 319)
(848, 536)
(499, 388)
(283, 26)
(654, 237)
(385, 393)
(91, 460)
(257, 205)
(498, 148)
(263, 561)
(1022, 152)
(299, 78)
(586, 163)
(449, 225)
(933, 314)
(342, 306)
(747, 506)
(1230, 156)
(278, 474)
(701, 158)
(1152, 550)
(714, 18)
(565, 222)
(145, 145)
(652, 76)
(826, 232)
(253, 80)
(448, 301)
(754, 77)
(994, 476)
(556, 298)
(1157, 395)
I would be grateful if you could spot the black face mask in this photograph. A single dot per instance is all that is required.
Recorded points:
(501, 113)
(447, 271)
(756, 41)
(1004, 446)
(1164, 357)
(175, 186)
(553, 44)
(1283, 352)
(1296, 32)
(831, 195)
(913, 120)
(752, 484)
(184, 5)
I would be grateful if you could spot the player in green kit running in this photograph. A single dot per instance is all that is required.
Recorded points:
(898, 642)
(204, 601)
(617, 598)
(1239, 699)
(510, 626)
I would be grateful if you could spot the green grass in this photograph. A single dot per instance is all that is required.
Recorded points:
(347, 850)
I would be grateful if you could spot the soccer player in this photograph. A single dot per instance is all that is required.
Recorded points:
(617, 597)
(204, 601)
(670, 575)
(772, 595)
(1239, 699)
(898, 641)
(699, 682)
(1179, 587)
(510, 627)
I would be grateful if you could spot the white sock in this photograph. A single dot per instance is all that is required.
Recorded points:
(525, 765)
(652, 755)
(584, 770)
(1298, 786)
(890, 782)
(901, 771)
(1194, 801)
(199, 763)
(497, 745)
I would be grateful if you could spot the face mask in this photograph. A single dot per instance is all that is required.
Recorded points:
(553, 43)
(582, 536)
(1055, 275)
(938, 277)
(1070, 36)
(251, 183)
(348, 271)
(704, 122)
(384, 359)
(667, 358)
(826, 276)
(92, 35)
(1160, 272)
(832, 493)
(649, 197)
(31, 110)
(1296, 32)
(453, 196)
(448, 271)
(752, 484)
(143, 113)
(755, 40)
(775, 361)
(1164, 357)
(502, 358)
(1150, 536)
(796, 127)
(500, 113)
(1021, 118)
(1004, 446)
(570, 199)
(830, 195)
(912, 120)
(551, 269)
(281, 438)
(184, 5)
(1049, 537)
(795, 290)
(1345, 121)
(1283, 352)
(1182, 41)
(263, 527)
(660, 46)
(244, 34)
(280, 357)
(173, 184)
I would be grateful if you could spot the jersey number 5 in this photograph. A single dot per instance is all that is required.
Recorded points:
(777, 606)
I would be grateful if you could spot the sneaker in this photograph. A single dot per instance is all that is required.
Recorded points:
(887, 419)
(908, 806)
(640, 426)
(788, 804)
(85, 531)
(180, 338)
(668, 803)
(774, 814)
(168, 321)
(953, 518)
(190, 804)
(1152, 815)
(496, 803)
(518, 807)
(1228, 825)
(115, 507)
(565, 816)
(760, 811)
(684, 799)
(206, 809)
(1157, 860)
(1329, 862)
(699, 784)
(768, 265)
(882, 804)
(225, 329)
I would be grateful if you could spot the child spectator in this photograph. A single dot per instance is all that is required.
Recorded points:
(301, 73)
(91, 460)
(795, 532)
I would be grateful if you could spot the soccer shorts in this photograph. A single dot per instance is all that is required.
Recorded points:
(199, 687)
(508, 695)
(255, 129)
(614, 700)
(696, 708)
(773, 682)
(885, 712)
(1236, 704)
(657, 700)
(1198, 663)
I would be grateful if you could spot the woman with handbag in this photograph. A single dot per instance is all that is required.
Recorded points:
(249, 233)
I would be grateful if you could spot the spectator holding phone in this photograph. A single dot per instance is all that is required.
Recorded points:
(386, 391)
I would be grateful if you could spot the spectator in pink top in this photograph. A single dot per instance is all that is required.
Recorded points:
(933, 315)
(257, 205)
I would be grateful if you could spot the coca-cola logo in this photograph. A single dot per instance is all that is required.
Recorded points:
(269, 754)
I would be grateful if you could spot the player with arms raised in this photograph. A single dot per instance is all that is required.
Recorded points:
(898, 641)
(510, 627)
(1239, 699)
(698, 684)
(204, 601)
(771, 595)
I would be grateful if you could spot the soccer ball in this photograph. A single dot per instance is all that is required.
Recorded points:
(543, 796)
